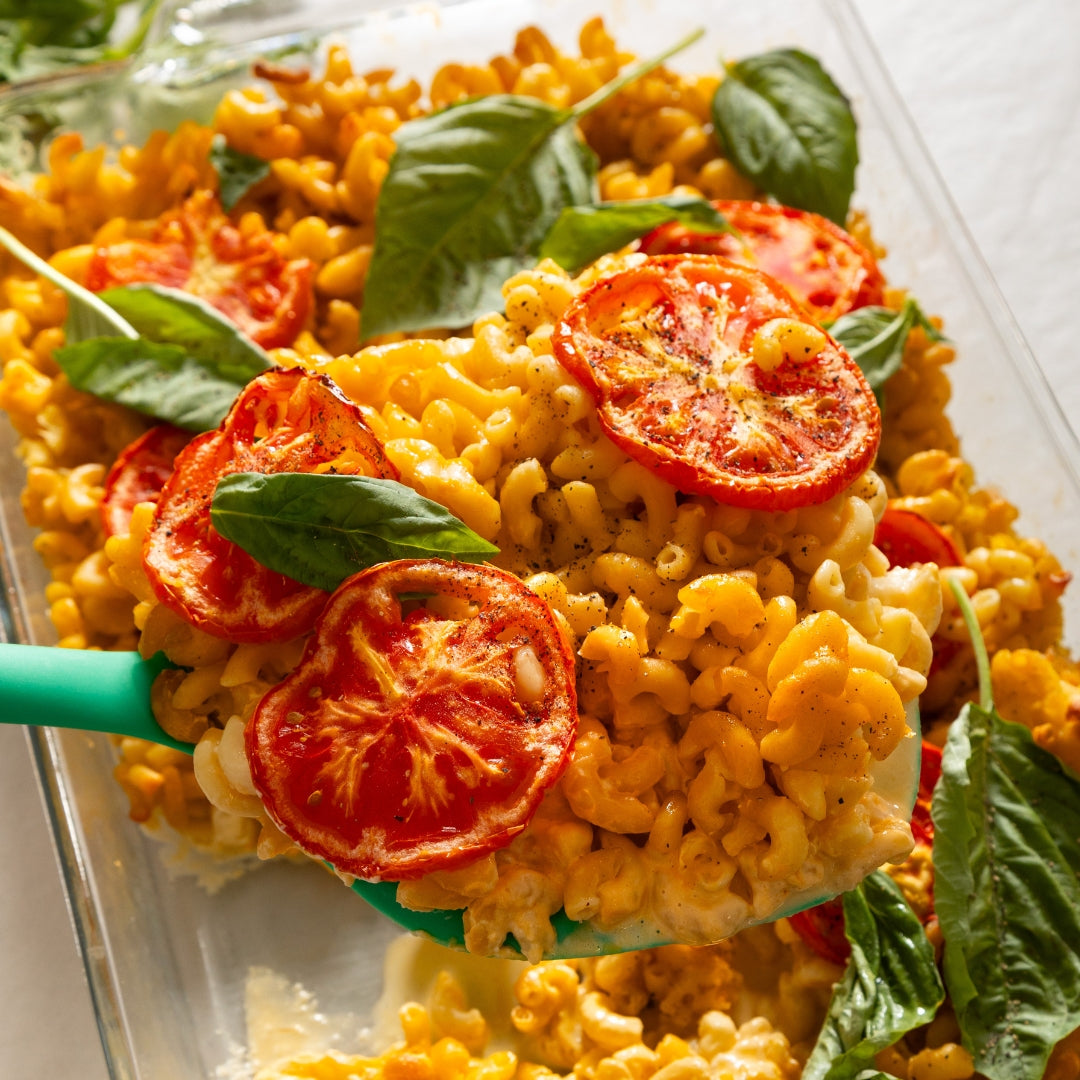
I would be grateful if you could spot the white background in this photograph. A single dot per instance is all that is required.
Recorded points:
(994, 88)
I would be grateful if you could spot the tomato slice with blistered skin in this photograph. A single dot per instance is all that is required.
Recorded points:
(822, 928)
(129, 262)
(408, 743)
(139, 473)
(666, 348)
(907, 538)
(823, 267)
(242, 273)
(283, 421)
(922, 824)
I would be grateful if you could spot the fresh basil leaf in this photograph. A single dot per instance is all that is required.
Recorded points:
(177, 359)
(470, 195)
(162, 381)
(321, 528)
(785, 124)
(237, 172)
(60, 23)
(1007, 893)
(923, 320)
(44, 36)
(581, 234)
(88, 315)
(875, 338)
(891, 983)
(170, 316)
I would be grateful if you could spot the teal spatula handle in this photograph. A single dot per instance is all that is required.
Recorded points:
(78, 688)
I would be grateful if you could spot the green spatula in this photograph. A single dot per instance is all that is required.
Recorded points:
(110, 692)
(83, 689)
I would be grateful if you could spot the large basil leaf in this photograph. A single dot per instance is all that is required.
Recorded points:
(1007, 893)
(237, 172)
(891, 983)
(470, 195)
(170, 316)
(581, 234)
(875, 338)
(88, 315)
(786, 125)
(162, 381)
(321, 528)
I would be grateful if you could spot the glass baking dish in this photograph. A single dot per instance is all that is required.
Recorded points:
(168, 961)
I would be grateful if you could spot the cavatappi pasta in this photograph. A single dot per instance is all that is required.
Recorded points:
(703, 631)
(664, 1013)
(690, 618)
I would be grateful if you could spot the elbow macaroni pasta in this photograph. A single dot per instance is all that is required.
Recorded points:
(677, 606)
(702, 791)
(583, 1016)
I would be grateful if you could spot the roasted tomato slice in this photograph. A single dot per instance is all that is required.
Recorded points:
(409, 743)
(283, 421)
(139, 473)
(242, 273)
(907, 538)
(922, 824)
(670, 349)
(822, 266)
(822, 928)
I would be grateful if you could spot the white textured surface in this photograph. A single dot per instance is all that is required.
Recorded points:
(994, 88)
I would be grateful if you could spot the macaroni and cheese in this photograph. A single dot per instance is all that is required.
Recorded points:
(742, 673)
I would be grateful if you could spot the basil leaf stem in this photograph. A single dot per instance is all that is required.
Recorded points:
(631, 75)
(581, 234)
(321, 528)
(978, 643)
(471, 193)
(785, 124)
(88, 315)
